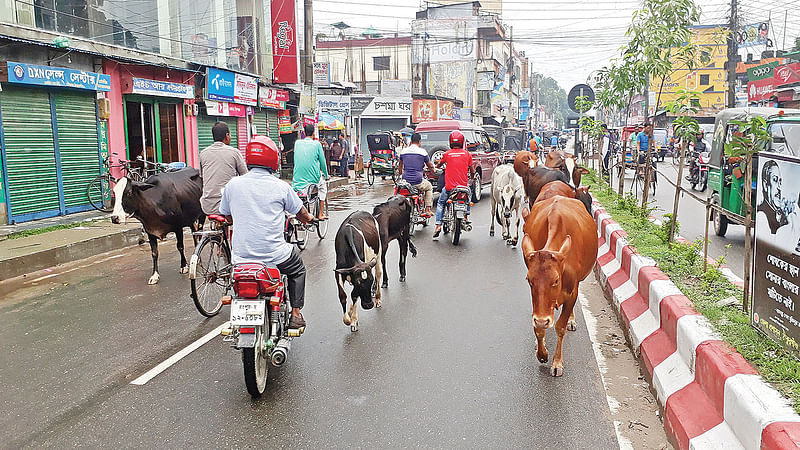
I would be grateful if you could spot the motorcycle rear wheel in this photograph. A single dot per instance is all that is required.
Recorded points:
(256, 367)
(414, 219)
(456, 231)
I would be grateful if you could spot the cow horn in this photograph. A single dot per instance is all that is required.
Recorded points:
(373, 262)
(344, 271)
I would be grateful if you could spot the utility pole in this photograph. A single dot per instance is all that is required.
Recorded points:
(308, 34)
(733, 52)
(537, 105)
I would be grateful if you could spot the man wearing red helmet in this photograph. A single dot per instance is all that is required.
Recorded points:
(458, 173)
(256, 204)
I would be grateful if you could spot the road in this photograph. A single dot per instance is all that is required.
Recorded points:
(449, 361)
(691, 217)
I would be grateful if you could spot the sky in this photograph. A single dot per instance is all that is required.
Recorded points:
(566, 40)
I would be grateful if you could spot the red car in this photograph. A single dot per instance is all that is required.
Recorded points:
(435, 136)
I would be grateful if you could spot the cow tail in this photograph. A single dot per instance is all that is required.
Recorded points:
(412, 247)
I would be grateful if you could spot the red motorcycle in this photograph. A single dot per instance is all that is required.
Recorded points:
(417, 201)
(455, 213)
(259, 324)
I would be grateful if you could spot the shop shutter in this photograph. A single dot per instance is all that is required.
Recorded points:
(241, 130)
(76, 123)
(233, 127)
(30, 154)
(204, 137)
(274, 131)
(260, 121)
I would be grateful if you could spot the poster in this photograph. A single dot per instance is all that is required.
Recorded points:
(454, 80)
(776, 274)
(424, 110)
(284, 42)
(322, 74)
(228, 86)
(284, 122)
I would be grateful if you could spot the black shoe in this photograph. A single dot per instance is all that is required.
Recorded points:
(436, 232)
(296, 322)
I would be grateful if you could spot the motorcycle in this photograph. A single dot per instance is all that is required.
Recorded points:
(259, 324)
(408, 191)
(455, 213)
(698, 172)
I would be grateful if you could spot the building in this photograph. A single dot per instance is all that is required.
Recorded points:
(366, 64)
(82, 81)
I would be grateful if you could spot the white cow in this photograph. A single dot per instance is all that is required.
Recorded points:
(507, 196)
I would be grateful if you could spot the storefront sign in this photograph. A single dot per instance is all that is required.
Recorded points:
(761, 72)
(272, 98)
(226, 109)
(284, 122)
(445, 108)
(333, 103)
(776, 277)
(359, 104)
(388, 107)
(102, 134)
(424, 110)
(20, 73)
(284, 42)
(760, 90)
(322, 74)
(231, 87)
(788, 74)
(162, 88)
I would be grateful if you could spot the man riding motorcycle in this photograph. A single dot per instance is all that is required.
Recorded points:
(459, 171)
(694, 154)
(258, 201)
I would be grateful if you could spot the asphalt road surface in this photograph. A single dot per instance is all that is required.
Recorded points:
(691, 217)
(449, 361)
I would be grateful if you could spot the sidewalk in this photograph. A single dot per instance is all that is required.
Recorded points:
(30, 253)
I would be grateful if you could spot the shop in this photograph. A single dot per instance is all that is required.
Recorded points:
(271, 102)
(231, 98)
(373, 114)
(151, 114)
(49, 139)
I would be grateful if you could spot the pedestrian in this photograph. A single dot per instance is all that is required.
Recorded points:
(605, 151)
(326, 150)
(344, 157)
(336, 156)
(310, 168)
(219, 163)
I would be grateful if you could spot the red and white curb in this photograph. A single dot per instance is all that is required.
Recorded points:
(712, 398)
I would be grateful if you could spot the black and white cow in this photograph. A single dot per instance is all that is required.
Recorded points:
(394, 222)
(507, 198)
(358, 245)
(164, 203)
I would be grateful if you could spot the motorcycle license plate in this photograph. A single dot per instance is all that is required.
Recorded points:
(247, 312)
(460, 206)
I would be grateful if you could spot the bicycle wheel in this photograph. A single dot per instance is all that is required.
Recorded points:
(100, 194)
(322, 225)
(209, 275)
(370, 176)
(256, 366)
(300, 234)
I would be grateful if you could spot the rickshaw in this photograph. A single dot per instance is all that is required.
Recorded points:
(628, 157)
(726, 176)
(383, 156)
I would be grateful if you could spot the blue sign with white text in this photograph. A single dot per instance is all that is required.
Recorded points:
(21, 73)
(220, 85)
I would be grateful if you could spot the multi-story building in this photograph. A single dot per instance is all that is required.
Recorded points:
(83, 80)
(363, 64)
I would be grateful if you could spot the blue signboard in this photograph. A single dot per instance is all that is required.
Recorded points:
(20, 73)
(220, 85)
(162, 88)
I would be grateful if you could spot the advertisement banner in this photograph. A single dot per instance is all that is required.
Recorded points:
(162, 88)
(788, 74)
(359, 104)
(424, 110)
(776, 277)
(333, 103)
(284, 122)
(454, 80)
(453, 40)
(322, 74)
(445, 109)
(760, 89)
(272, 98)
(761, 72)
(231, 87)
(20, 73)
(226, 109)
(307, 101)
(284, 42)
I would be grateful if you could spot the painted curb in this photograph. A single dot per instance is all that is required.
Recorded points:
(711, 397)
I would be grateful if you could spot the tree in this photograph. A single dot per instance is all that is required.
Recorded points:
(687, 128)
(552, 97)
(796, 44)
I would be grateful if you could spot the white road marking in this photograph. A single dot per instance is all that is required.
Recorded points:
(164, 365)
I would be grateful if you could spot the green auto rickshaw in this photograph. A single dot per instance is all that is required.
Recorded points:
(725, 176)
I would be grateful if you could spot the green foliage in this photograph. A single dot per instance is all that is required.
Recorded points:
(552, 97)
(663, 231)
(583, 104)
(751, 137)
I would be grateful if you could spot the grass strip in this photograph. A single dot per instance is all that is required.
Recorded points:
(35, 231)
(683, 263)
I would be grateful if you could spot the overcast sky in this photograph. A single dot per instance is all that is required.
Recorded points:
(566, 40)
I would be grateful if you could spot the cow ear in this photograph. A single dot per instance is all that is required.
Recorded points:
(342, 271)
(373, 262)
(140, 186)
(528, 251)
(583, 170)
(525, 213)
(565, 246)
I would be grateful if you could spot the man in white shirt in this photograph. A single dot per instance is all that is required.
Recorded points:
(605, 152)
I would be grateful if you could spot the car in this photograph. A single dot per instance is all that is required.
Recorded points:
(660, 143)
(485, 158)
(496, 134)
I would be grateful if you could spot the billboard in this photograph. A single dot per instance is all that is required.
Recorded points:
(284, 42)
(227, 86)
(454, 80)
(444, 40)
(776, 275)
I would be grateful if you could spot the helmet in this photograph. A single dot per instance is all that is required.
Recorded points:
(262, 152)
(456, 139)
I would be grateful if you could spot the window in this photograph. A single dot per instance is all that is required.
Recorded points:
(704, 80)
(380, 62)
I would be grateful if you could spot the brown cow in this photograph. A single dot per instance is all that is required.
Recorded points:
(563, 161)
(559, 248)
(533, 178)
(554, 188)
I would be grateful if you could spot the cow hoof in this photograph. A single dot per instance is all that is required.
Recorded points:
(556, 371)
(346, 319)
(153, 280)
(542, 357)
(354, 327)
(506, 237)
(184, 269)
(378, 304)
(491, 232)
(514, 242)
(571, 326)
(385, 284)
(402, 278)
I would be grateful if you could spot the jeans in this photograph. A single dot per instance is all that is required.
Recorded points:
(343, 166)
(295, 272)
(443, 196)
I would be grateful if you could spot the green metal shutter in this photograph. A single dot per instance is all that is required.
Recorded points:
(233, 127)
(274, 132)
(30, 154)
(204, 137)
(76, 121)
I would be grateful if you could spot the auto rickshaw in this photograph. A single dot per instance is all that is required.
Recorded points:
(383, 155)
(726, 175)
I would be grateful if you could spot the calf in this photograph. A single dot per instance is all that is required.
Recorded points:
(163, 203)
(394, 222)
(507, 191)
(554, 188)
(358, 245)
(559, 248)
(534, 178)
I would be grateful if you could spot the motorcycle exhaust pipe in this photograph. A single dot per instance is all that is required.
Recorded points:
(466, 226)
(281, 352)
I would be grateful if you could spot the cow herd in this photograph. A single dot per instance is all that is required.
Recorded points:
(559, 243)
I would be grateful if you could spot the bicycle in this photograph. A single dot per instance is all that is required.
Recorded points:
(100, 191)
(296, 232)
(639, 177)
(210, 267)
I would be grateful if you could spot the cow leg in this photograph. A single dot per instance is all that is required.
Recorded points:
(154, 252)
(403, 242)
(516, 229)
(571, 324)
(494, 213)
(541, 350)
(378, 273)
(506, 229)
(557, 369)
(385, 277)
(179, 244)
(354, 314)
(342, 296)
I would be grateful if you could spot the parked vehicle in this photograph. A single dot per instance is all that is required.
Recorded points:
(259, 323)
(725, 175)
(382, 155)
(408, 191)
(435, 136)
(660, 143)
(515, 141)
(496, 134)
(455, 213)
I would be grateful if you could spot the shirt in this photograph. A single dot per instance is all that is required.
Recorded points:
(257, 201)
(643, 141)
(533, 145)
(414, 161)
(458, 163)
(309, 163)
(218, 164)
(346, 148)
(606, 144)
(554, 140)
(538, 140)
